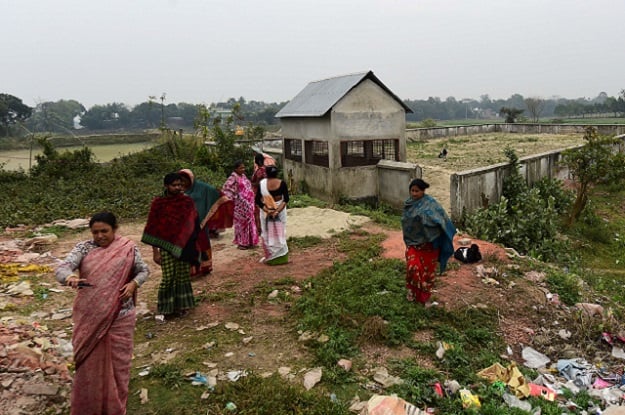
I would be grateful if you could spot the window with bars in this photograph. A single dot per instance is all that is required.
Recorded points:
(293, 149)
(369, 152)
(317, 153)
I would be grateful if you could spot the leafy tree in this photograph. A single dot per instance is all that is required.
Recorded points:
(511, 114)
(109, 116)
(594, 163)
(222, 132)
(12, 110)
(145, 115)
(55, 116)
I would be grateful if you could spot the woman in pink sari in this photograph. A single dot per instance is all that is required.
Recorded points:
(110, 270)
(239, 189)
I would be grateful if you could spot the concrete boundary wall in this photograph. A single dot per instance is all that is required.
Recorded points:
(477, 188)
(393, 180)
(416, 134)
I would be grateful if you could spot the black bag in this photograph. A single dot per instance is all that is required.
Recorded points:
(468, 255)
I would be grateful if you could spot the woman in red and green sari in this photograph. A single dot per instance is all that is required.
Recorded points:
(173, 230)
(106, 271)
(428, 234)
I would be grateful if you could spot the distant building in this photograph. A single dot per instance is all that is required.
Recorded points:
(336, 131)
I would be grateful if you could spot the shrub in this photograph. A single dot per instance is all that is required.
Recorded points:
(427, 123)
(527, 219)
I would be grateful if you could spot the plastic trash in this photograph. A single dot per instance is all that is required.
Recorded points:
(198, 379)
(231, 406)
(514, 402)
(542, 391)
(469, 400)
(533, 358)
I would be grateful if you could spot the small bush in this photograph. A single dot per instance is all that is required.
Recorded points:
(565, 285)
(427, 123)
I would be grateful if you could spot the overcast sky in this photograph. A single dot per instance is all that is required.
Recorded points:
(204, 51)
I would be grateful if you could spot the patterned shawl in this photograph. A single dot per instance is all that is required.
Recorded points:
(425, 220)
(96, 307)
(174, 225)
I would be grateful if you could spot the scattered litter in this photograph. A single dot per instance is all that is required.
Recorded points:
(514, 402)
(229, 354)
(21, 289)
(591, 309)
(232, 326)
(143, 396)
(345, 364)
(312, 377)
(553, 298)
(305, 336)
(564, 334)
(230, 406)
(160, 318)
(535, 276)
(383, 378)
(273, 294)
(542, 391)
(145, 371)
(451, 387)
(323, 338)
(618, 353)
(442, 348)
(246, 340)
(533, 358)
(235, 375)
(198, 379)
(469, 400)
(390, 405)
(284, 371)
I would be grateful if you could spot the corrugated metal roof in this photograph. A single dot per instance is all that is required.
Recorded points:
(318, 97)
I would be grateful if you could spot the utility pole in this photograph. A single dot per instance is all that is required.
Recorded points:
(163, 111)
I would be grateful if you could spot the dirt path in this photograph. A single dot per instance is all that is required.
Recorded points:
(236, 324)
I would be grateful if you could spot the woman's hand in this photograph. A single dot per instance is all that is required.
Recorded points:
(156, 256)
(127, 290)
(73, 281)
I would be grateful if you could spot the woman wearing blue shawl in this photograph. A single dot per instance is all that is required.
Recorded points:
(428, 234)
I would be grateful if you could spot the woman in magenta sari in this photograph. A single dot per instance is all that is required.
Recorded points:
(110, 269)
(239, 189)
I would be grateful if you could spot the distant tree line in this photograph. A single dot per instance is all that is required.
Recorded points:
(533, 107)
(67, 115)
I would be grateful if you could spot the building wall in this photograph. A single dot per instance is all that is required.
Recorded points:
(387, 182)
(477, 188)
(394, 177)
(366, 113)
(415, 134)
(355, 183)
(306, 128)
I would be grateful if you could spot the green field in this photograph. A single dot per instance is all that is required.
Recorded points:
(14, 159)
